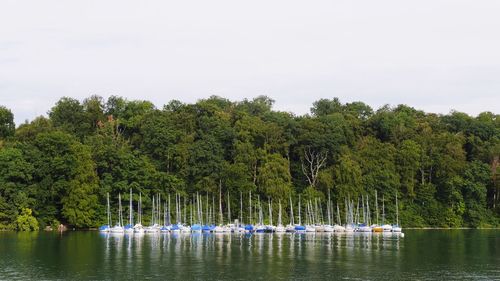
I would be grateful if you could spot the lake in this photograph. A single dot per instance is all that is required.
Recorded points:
(84, 255)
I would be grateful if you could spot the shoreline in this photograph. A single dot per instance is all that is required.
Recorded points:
(404, 228)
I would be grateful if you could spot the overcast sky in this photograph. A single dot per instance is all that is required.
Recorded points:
(431, 54)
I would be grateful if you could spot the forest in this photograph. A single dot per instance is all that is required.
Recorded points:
(58, 168)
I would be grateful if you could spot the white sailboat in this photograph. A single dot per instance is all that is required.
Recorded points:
(138, 228)
(385, 227)
(220, 228)
(129, 228)
(338, 226)
(396, 227)
(291, 226)
(119, 227)
(153, 227)
(300, 227)
(376, 227)
(328, 227)
(106, 228)
(279, 228)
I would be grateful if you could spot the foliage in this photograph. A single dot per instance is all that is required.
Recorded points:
(7, 126)
(25, 221)
(444, 169)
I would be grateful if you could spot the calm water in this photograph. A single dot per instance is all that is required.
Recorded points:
(421, 254)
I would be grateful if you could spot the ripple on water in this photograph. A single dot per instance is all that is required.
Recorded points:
(421, 255)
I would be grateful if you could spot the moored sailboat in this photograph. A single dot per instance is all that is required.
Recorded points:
(129, 228)
(106, 228)
(396, 227)
(118, 228)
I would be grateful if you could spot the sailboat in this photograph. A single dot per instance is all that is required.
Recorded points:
(249, 227)
(396, 227)
(153, 227)
(376, 227)
(118, 228)
(220, 228)
(364, 227)
(349, 216)
(338, 226)
(300, 227)
(279, 228)
(164, 228)
(328, 227)
(138, 228)
(129, 228)
(385, 227)
(106, 228)
(183, 227)
(240, 227)
(260, 227)
(310, 227)
(291, 227)
(317, 216)
(197, 226)
(207, 227)
(270, 227)
(176, 226)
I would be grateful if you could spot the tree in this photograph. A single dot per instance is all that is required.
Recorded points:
(64, 175)
(25, 221)
(274, 177)
(312, 163)
(7, 126)
(408, 162)
(444, 168)
(15, 185)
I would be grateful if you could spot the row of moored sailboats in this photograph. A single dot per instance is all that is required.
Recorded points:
(357, 217)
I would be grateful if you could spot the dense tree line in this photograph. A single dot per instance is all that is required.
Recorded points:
(58, 169)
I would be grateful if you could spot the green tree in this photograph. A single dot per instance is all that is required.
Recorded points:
(25, 221)
(7, 126)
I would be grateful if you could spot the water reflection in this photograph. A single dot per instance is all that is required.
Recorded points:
(205, 256)
(181, 253)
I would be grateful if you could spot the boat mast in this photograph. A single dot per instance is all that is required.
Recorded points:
(131, 211)
(260, 209)
(363, 208)
(212, 216)
(338, 215)
(158, 212)
(357, 211)
(228, 208)
(270, 212)
(185, 209)
(119, 210)
(292, 222)
(208, 212)
(397, 212)
(279, 212)
(300, 222)
(376, 205)
(368, 219)
(139, 208)
(153, 212)
(221, 218)
(346, 212)
(109, 211)
(328, 209)
(199, 209)
(241, 208)
(250, 207)
(383, 210)
(169, 211)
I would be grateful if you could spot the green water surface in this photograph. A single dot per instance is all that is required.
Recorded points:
(420, 255)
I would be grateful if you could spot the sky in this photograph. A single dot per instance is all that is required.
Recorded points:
(434, 55)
